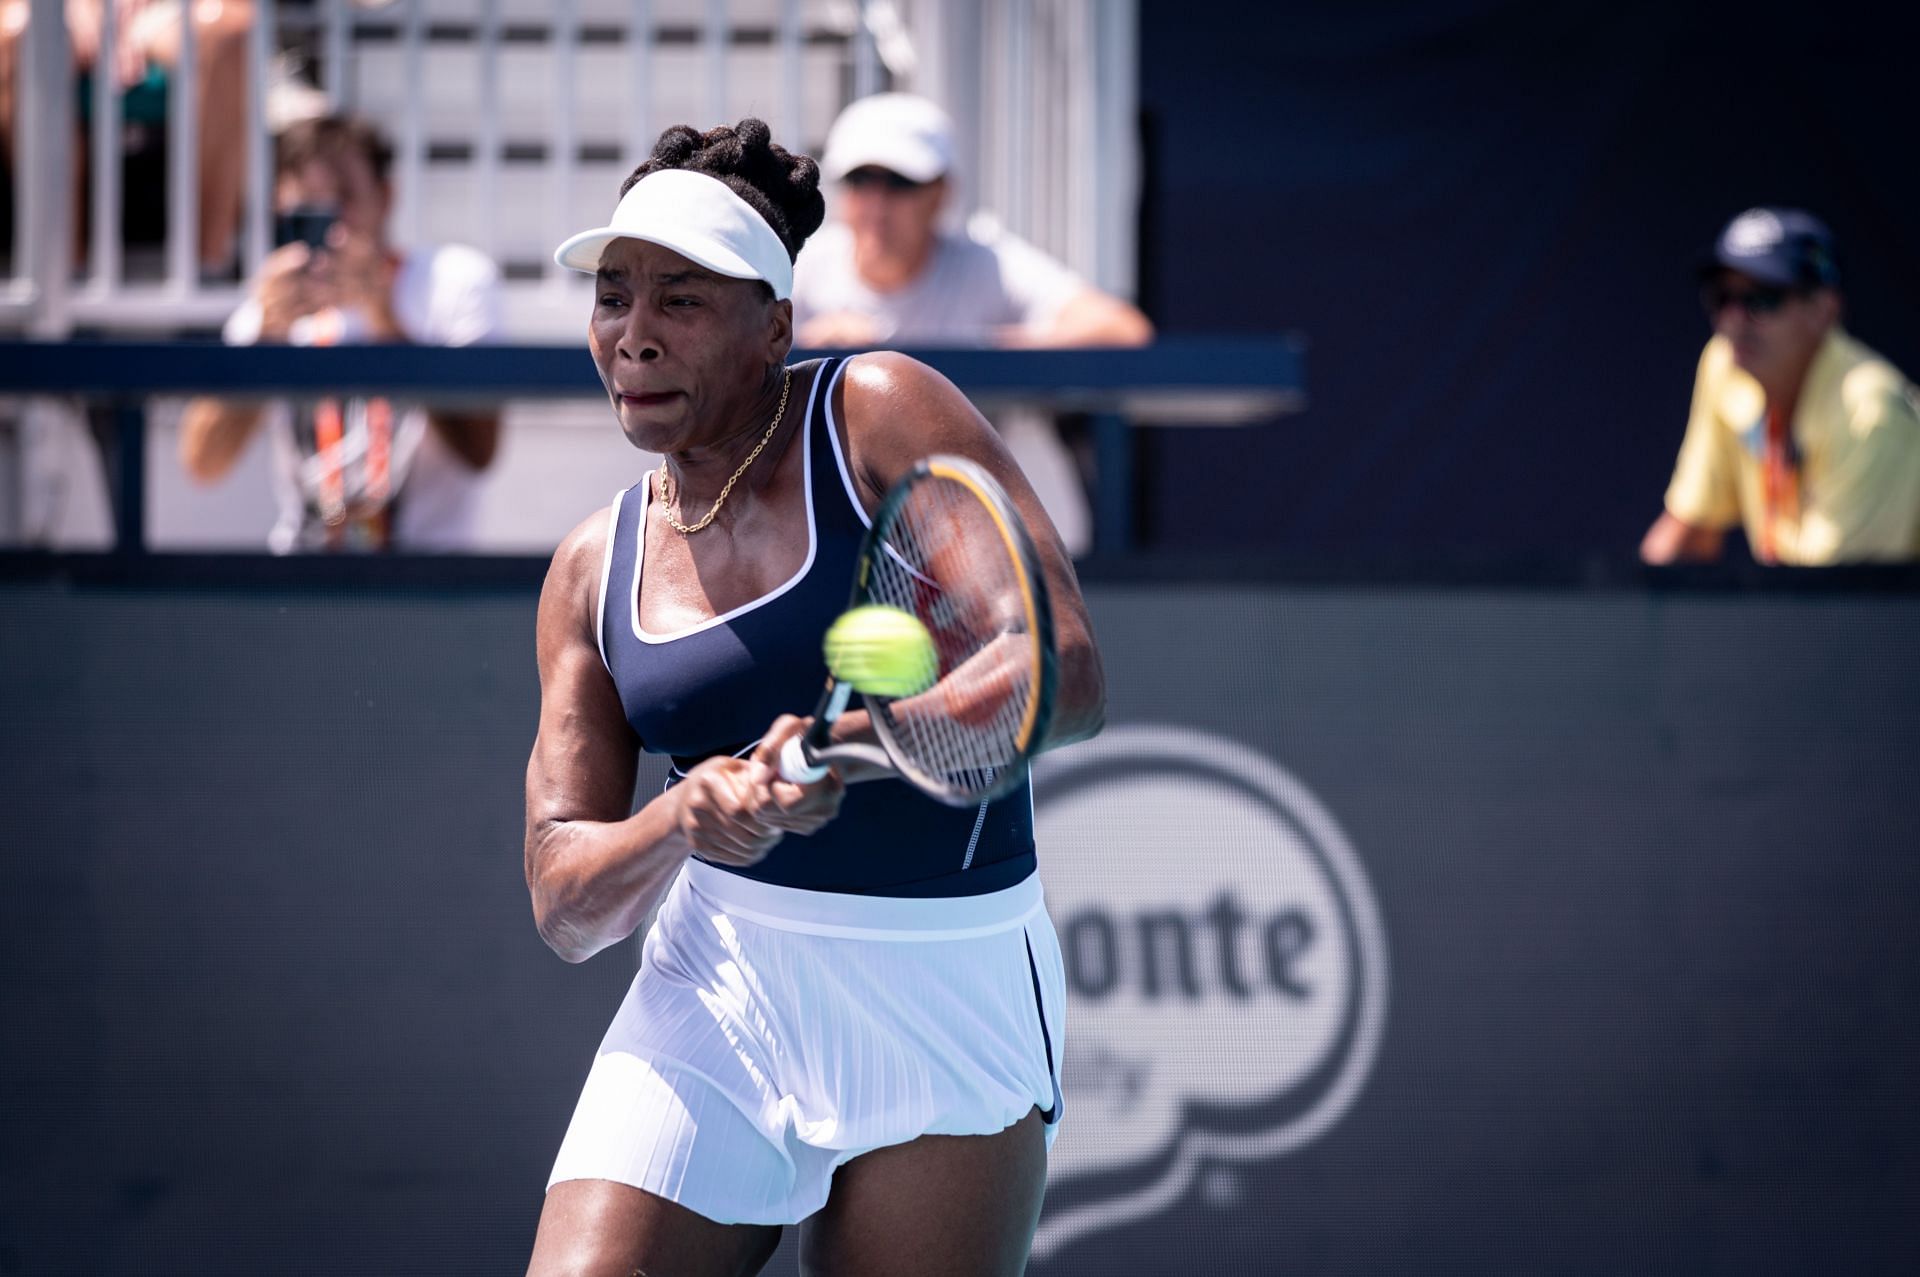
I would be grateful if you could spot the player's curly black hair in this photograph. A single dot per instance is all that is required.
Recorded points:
(782, 187)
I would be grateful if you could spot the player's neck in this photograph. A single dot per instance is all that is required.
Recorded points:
(699, 474)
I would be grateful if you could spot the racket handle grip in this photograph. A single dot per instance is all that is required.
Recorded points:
(796, 766)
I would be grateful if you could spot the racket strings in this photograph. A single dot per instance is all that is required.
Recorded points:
(948, 564)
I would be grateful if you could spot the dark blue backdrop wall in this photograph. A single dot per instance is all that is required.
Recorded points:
(1485, 218)
(1422, 932)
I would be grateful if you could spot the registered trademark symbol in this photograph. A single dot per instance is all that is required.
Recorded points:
(1220, 1188)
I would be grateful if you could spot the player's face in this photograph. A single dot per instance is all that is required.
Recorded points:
(344, 182)
(1774, 331)
(682, 351)
(893, 220)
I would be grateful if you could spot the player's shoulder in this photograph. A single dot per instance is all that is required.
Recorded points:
(881, 381)
(574, 573)
(896, 409)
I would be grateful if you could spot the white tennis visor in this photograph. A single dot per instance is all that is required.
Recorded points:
(698, 217)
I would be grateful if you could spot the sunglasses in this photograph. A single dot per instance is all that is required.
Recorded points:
(868, 179)
(1757, 302)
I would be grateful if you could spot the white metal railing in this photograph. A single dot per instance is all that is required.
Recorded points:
(1042, 93)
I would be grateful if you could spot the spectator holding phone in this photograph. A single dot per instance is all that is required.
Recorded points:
(355, 473)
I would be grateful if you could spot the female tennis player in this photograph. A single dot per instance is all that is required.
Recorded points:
(849, 1008)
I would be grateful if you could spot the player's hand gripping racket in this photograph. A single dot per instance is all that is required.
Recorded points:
(948, 639)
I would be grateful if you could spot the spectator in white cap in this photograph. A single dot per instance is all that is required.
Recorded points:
(887, 272)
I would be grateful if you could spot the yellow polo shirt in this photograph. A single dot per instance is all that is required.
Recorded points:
(1857, 430)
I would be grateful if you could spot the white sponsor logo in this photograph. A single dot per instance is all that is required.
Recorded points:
(1226, 968)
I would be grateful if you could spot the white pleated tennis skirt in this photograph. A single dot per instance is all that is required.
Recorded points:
(773, 1034)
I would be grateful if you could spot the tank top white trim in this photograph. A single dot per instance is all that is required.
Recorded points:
(606, 572)
(813, 548)
(840, 453)
(853, 492)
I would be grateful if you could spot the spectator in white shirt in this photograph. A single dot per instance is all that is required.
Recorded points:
(355, 473)
(887, 273)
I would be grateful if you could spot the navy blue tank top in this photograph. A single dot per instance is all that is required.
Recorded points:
(716, 687)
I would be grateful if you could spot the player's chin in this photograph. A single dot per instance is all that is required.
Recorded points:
(652, 426)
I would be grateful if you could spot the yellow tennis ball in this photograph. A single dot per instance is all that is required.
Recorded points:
(883, 651)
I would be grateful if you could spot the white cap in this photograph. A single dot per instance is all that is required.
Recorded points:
(896, 131)
(698, 217)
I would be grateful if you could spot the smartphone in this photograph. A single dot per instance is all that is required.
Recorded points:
(305, 224)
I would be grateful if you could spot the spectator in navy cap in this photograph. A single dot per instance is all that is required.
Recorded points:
(1799, 433)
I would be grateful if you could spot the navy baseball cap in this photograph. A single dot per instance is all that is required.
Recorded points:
(1785, 247)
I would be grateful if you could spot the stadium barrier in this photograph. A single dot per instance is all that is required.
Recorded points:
(1529, 926)
(1241, 381)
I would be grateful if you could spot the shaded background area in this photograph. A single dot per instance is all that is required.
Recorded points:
(1644, 852)
(1645, 862)
(1485, 217)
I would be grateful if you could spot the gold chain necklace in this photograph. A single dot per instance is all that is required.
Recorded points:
(666, 482)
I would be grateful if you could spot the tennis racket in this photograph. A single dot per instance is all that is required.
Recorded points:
(948, 547)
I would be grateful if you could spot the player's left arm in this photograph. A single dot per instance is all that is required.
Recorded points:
(898, 411)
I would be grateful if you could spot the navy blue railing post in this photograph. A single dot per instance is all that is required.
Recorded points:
(130, 478)
(1113, 483)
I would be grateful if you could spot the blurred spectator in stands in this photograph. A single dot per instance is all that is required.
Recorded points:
(355, 473)
(1798, 432)
(146, 49)
(887, 272)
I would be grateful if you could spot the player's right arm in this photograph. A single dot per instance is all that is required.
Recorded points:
(594, 870)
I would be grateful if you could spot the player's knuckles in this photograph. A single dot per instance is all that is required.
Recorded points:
(747, 851)
(821, 801)
(789, 803)
(732, 843)
(811, 809)
(767, 752)
(704, 818)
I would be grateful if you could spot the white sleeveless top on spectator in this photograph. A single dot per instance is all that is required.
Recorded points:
(442, 296)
